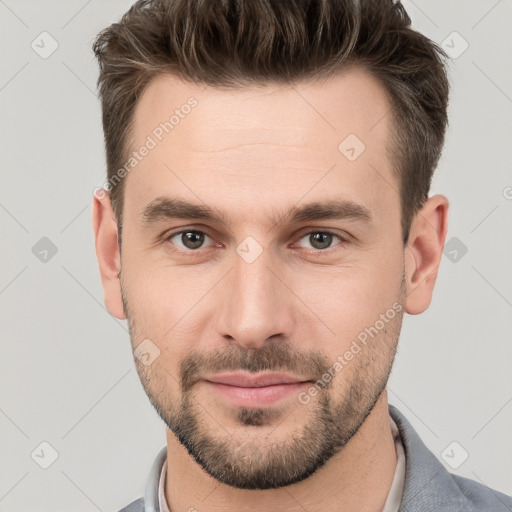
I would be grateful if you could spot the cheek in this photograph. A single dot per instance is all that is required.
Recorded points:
(166, 306)
(347, 302)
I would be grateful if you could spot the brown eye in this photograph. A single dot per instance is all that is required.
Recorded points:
(321, 240)
(189, 239)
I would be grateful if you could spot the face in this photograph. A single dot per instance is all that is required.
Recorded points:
(255, 247)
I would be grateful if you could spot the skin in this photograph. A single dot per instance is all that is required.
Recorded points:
(253, 154)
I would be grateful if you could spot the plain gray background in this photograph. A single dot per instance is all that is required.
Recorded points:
(66, 368)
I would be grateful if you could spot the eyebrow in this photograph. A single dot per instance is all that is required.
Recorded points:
(166, 208)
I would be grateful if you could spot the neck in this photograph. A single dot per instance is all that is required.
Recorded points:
(359, 477)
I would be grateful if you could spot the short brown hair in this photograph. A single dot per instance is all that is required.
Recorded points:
(240, 43)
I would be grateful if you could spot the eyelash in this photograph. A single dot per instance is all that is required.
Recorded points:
(343, 241)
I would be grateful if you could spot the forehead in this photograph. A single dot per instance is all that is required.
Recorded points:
(353, 100)
(276, 143)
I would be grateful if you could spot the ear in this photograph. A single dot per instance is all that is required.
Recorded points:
(107, 251)
(424, 252)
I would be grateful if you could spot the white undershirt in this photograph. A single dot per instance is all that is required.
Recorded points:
(395, 492)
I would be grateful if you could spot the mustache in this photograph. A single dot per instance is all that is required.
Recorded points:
(276, 356)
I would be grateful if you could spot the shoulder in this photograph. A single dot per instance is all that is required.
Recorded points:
(429, 486)
(482, 497)
(134, 506)
(152, 483)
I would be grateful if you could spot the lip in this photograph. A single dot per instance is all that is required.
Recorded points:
(261, 390)
(245, 380)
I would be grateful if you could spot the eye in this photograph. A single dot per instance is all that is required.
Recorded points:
(321, 240)
(190, 239)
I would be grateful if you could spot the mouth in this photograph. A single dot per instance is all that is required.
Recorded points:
(260, 390)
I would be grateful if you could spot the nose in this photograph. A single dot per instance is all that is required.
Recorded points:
(255, 303)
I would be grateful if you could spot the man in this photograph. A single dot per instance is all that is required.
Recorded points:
(265, 225)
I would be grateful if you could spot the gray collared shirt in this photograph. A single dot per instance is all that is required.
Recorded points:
(428, 485)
